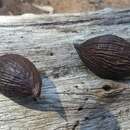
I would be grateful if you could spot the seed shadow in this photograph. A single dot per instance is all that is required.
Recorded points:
(49, 101)
(99, 119)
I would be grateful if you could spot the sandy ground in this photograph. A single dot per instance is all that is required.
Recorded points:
(16, 7)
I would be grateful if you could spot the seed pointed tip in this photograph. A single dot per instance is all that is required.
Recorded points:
(76, 46)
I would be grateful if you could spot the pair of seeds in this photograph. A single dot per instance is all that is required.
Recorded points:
(108, 56)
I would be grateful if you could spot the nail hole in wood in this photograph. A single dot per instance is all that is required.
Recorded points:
(82, 82)
(86, 118)
(76, 86)
(51, 54)
(80, 108)
(107, 87)
(86, 99)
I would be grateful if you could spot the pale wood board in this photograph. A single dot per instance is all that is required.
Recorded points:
(72, 96)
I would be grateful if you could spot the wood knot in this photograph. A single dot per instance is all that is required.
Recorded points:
(109, 89)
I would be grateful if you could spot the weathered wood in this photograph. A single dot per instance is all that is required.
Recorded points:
(72, 97)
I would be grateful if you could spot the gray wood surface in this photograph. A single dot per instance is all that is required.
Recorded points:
(72, 98)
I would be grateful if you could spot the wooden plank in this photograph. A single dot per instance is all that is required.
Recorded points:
(72, 98)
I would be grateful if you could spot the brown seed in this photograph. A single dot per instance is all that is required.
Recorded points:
(19, 77)
(108, 56)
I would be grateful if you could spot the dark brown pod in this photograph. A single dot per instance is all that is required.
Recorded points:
(108, 56)
(19, 77)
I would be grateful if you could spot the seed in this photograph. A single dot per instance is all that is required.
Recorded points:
(107, 56)
(19, 77)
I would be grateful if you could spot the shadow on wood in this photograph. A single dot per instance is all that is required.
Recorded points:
(49, 101)
(98, 119)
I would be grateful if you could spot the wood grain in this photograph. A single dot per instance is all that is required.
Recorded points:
(72, 98)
